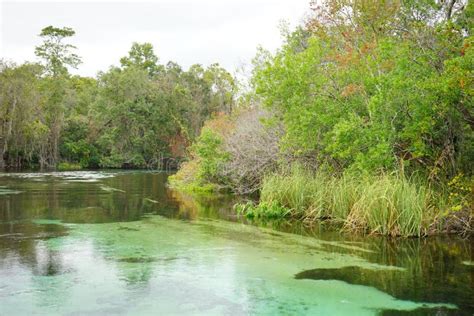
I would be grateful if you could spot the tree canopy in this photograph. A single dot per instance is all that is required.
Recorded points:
(141, 114)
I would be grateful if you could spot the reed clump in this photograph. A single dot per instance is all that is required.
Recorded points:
(387, 204)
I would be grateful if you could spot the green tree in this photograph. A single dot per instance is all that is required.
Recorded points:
(223, 88)
(56, 54)
(78, 137)
(142, 56)
(372, 85)
(133, 118)
(21, 130)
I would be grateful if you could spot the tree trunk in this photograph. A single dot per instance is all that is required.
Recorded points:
(2, 152)
(6, 131)
(449, 9)
(3, 144)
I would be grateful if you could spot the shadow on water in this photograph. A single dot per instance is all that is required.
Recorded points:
(405, 286)
(41, 207)
(435, 269)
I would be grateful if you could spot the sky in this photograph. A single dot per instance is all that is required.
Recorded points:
(184, 31)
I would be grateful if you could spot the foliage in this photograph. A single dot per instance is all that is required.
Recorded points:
(379, 96)
(365, 87)
(202, 172)
(21, 126)
(233, 153)
(142, 114)
(264, 210)
(66, 166)
(253, 148)
(461, 195)
(459, 216)
(142, 56)
(208, 150)
(55, 54)
(374, 98)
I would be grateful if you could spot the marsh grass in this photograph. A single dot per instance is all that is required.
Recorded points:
(387, 204)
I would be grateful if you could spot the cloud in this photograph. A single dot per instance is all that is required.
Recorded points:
(185, 31)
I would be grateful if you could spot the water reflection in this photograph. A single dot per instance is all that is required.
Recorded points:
(55, 197)
(108, 238)
(204, 206)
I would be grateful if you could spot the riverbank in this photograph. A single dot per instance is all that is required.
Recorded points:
(386, 204)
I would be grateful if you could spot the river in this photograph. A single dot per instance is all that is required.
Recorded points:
(122, 243)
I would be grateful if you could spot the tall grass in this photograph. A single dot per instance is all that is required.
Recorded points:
(387, 204)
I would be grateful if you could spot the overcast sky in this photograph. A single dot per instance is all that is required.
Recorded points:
(185, 31)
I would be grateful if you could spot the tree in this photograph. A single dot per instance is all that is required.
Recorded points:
(136, 115)
(142, 56)
(134, 118)
(78, 137)
(376, 85)
(55, 54)
(223, 88)
(21, 131)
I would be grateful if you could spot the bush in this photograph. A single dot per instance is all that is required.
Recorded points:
(232, 153)
(201, 172)
(210, 155)
(253, 149)
(272, 210)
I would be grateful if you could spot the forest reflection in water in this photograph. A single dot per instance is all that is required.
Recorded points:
(57, 229)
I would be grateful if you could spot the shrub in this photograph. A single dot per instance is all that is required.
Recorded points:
(271, 210)
(233, 153)
(201, 172)
(253, 149)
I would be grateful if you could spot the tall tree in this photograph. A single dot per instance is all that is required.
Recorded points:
(56, 54)
(223, 87)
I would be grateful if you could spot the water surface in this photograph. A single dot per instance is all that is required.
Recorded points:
(98, 243)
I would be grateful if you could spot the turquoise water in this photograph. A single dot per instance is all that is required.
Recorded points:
(121, 243)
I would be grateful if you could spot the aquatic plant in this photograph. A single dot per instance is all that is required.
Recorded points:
(387, 204)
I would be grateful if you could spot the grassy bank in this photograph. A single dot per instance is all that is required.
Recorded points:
(386, 204)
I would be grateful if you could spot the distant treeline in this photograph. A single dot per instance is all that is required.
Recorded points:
(139, 115)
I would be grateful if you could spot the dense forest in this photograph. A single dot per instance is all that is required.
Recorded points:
(364, 117)
(142, 114)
